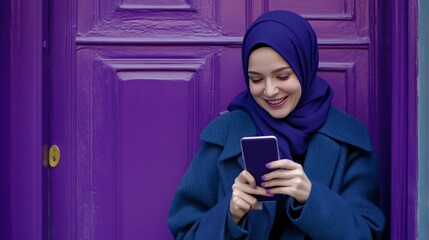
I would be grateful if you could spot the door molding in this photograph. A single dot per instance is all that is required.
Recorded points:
(398, 75)
(404, 120)
(25, 211)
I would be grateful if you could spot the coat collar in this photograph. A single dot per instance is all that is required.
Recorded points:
(344, 128)
(228, 129)
(321, 158)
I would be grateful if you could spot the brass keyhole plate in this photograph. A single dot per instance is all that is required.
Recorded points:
(54, 155)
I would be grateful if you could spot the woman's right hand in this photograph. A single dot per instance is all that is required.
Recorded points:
(242, 200)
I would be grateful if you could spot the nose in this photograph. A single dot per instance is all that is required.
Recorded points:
(270, 88)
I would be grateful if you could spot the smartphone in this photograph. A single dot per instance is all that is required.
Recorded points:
(258, 151)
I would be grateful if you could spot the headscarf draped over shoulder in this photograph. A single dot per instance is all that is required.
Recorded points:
(294, 39)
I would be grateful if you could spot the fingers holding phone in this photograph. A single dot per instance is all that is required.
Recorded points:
(288, 178)
(242, 199)
(257, 151)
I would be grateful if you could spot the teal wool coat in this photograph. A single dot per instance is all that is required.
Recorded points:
(340, 163)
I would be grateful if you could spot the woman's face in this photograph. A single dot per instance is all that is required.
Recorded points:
(273, 83)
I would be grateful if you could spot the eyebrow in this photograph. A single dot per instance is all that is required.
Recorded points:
(274, 71)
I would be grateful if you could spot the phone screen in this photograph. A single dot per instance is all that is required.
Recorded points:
(258, 151)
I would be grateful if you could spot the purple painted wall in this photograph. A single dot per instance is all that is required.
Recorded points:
(5, 178)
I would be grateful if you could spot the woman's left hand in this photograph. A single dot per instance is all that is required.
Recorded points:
(287, 178)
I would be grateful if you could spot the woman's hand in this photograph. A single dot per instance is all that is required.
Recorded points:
(242, 200)
(287, 178)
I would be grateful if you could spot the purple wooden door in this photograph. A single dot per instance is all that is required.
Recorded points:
(133, 84)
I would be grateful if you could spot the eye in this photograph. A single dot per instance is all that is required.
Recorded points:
(283, 77)
(255, 79)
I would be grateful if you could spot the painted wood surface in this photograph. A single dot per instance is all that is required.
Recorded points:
(23, 176)
(85, 198)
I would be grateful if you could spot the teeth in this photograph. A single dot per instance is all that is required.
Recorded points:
(274, 102)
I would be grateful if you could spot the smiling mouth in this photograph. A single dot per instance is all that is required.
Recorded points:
(276, 102)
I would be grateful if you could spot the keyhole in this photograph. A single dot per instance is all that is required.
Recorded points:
(54, 156)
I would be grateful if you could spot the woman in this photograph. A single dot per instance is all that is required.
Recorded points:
(327, 172)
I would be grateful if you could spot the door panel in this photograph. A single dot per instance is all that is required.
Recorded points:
(141, 111)
(143, 20)
(333, 20)
(347, 71)
(137, 81)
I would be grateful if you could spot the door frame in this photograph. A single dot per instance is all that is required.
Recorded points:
(25, 212)
(23, 205)
(396, 53)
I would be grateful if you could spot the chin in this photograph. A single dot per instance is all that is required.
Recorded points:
(278, 115)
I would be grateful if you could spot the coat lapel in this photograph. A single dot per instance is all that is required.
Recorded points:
(319, 166)
(321, 159)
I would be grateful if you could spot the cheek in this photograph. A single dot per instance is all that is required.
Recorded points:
(297, 90)
(293, 88)
(255, 90)
(297, 94)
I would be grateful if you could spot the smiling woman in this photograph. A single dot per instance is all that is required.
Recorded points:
(327, 173)
(273, 83)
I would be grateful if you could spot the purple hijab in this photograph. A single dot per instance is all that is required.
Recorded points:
(294, 39)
